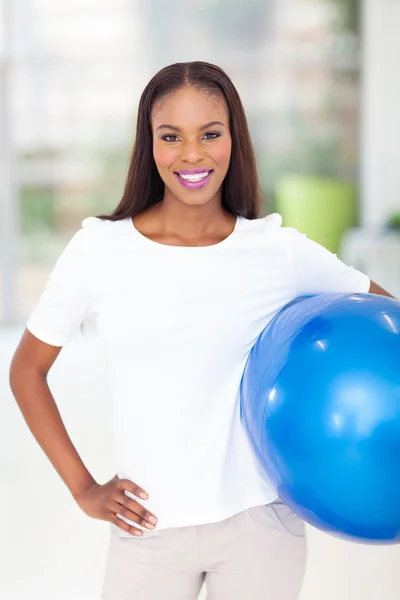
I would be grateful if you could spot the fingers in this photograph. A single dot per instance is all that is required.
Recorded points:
(129, 486)
(132, 510)
(125, 526)
(141, 515)
(131, 515)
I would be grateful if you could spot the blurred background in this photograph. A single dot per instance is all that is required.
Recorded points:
(320, 83)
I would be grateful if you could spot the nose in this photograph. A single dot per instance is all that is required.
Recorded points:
(192, 152)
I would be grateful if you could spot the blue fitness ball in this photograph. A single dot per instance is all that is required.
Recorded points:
(320, 403)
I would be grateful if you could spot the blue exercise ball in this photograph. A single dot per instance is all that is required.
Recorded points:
(320, 402)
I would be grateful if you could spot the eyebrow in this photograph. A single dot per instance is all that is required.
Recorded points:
(201, 128)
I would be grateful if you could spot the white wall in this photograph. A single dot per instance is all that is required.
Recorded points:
(380, 173)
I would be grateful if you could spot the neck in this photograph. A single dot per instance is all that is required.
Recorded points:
(176, 224)
(192, 221)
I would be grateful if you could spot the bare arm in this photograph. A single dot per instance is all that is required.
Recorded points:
(30, 365)
(376, 289)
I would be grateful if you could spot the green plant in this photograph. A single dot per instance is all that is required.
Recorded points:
(394, 221)
(316, 150)
(106, 192)
(348, 14)
(37, 207)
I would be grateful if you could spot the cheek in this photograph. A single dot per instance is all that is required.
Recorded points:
(163, 156)
(221, 153)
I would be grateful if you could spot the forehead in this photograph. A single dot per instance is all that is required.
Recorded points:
(190, 108)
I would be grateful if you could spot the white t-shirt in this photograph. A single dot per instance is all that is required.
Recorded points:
(177, 324)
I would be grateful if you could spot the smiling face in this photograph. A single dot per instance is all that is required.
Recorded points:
(192, 145)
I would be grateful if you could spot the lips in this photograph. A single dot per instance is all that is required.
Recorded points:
(194, 184)
(193, 171)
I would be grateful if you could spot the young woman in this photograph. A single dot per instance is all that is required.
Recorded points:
(181, 279)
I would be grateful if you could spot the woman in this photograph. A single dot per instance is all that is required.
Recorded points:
(181, 278)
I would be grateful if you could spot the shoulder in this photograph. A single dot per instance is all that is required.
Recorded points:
(270, 227)
(272, 222)
(94, 238)
(269, 232)
(95, 225)
(94, 229)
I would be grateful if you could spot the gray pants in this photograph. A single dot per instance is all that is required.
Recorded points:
(258, 554)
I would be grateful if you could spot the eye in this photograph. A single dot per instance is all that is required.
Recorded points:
(214, 133)
(211, 135)
(165, 137)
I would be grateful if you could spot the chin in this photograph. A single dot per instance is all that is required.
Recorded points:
(192, 197)
(196, 201)
(193, 200)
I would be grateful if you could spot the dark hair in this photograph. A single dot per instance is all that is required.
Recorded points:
(144, 186)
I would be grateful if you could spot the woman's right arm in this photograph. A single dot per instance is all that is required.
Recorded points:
(29, 368)
(30, 365)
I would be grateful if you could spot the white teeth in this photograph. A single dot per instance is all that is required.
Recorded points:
(194, 178)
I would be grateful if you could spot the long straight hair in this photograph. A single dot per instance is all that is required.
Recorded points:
(144, 186)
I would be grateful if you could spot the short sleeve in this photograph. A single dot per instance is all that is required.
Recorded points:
(65, 299)
(318, 271)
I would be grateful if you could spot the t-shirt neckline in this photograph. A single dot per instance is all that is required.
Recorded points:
(169, 247)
